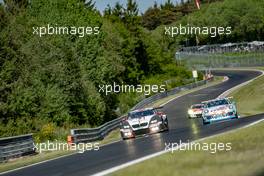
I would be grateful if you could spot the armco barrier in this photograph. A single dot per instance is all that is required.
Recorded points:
(95, 134)
(16, 146)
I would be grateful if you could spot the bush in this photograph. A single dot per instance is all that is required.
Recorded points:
(47, 132)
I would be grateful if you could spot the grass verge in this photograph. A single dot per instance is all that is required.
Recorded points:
(244, 159)
(250, 98)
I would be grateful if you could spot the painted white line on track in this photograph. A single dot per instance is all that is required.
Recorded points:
(130, 163)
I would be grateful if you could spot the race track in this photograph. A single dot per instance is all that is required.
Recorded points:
(181, 128)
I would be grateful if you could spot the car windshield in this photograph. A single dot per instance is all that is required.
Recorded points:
(197, 106)
(139, 114)
(217, 103)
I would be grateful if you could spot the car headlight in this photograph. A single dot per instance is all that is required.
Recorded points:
(231, 107)
(190, 111)
(125, 130)
(154, 121)
(206, 111)
(126, 127)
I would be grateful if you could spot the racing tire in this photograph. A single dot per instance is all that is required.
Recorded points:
(167, 127)
(236, 116)
(205, 123)
(125, 139)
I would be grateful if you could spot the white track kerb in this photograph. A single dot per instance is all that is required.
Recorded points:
(224, 94)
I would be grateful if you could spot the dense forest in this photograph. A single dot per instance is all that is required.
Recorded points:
(51, 83)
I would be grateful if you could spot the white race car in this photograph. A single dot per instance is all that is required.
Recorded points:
(195, 111)
(143, 121)
(219, 109)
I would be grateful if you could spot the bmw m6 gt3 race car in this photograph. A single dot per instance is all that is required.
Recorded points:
(195, 111)
(143, 121)
(219, 109)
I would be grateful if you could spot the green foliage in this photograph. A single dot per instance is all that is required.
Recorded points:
(126, 101)
(166, 13)
(172, 76)
(244, 17)
(54, 79)
(47, 132)
(50, 84)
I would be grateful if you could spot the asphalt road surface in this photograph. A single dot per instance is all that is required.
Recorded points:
(181, 128)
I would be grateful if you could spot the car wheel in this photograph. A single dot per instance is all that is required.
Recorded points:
(123, 137)
(167, 127)
(205, 123)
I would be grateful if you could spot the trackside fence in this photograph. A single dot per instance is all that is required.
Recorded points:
(205, 60)
(246, 54)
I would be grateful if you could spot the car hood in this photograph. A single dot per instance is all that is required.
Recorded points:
(145, 119)
(197, 109)
(218, 109)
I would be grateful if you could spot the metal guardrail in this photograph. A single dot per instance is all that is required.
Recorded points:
(16, 146)
(95, 134)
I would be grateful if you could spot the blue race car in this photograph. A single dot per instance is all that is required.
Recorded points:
(219, 109)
